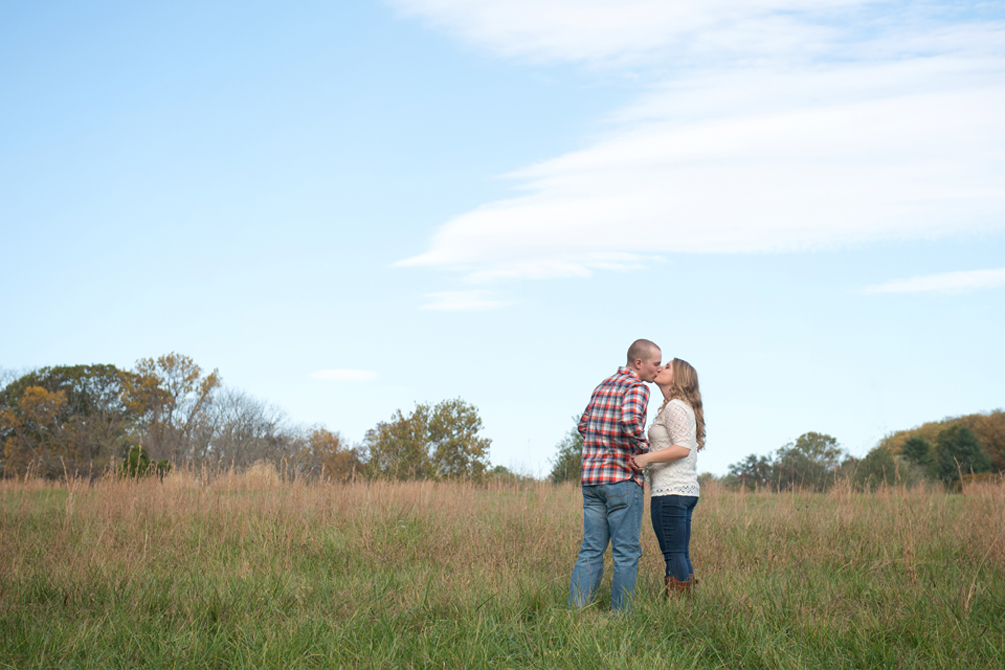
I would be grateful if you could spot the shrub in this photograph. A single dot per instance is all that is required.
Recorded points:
(138, 464)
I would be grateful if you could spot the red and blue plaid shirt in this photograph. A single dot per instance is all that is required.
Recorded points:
(613, 429)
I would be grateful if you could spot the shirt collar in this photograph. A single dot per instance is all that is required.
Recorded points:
(625, 370)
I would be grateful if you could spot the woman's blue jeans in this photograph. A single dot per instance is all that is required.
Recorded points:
(671, 517)
(611, 513)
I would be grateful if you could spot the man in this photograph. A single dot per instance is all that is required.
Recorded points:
(613, 430)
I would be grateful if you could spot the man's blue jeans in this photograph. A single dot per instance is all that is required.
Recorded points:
(611, 513)
(671, 517)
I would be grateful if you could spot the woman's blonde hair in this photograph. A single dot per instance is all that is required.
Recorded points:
(685, 387)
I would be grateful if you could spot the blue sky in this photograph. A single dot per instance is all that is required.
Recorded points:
(348, 208)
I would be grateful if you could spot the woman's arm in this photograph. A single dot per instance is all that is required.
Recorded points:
(668, 455)
(674, 419)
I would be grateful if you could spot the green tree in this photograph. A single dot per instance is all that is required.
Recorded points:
(567, 465)
(457, 452)
(397, 449)
(960, 453)
(918, 450)
(439, 442)
(820, 448)
(877, 468)
(811, 461)
(752, 472)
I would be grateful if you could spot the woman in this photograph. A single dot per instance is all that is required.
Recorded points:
(676, 437)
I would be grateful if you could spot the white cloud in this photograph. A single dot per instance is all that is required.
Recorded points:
(345, 375)
(461, 301)
(947, 282)
(795, 133)
(903, 166)
(623, 30)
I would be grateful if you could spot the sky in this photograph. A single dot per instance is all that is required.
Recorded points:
(348, 208)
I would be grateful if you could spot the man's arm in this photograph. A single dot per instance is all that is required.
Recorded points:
(633, 416)
(584, 419)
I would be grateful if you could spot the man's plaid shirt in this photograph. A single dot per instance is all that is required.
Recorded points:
(613, 429)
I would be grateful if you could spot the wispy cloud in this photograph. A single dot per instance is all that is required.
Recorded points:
(909, 165)
(345, 375)
(462, 301)
(621, 30)
(794, 133)
(947, 282)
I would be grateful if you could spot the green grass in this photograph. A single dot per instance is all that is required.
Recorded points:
(248, 572)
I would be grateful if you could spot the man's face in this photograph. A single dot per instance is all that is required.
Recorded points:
(649, 368)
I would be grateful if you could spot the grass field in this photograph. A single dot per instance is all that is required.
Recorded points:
(248, 571)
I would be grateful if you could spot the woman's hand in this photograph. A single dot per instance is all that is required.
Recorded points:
(640, 461)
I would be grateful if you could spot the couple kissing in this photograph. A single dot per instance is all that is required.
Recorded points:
(616, 451)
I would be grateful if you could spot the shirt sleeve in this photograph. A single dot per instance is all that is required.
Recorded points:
(633, 416)
(584, 419)
(678, 424)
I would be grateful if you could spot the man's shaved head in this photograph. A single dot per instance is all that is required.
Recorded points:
(644, 349)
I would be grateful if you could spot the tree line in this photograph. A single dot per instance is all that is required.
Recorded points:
(90, 419)
(816, 462)
(940, 452)
(987, 427)
(93, 419)
(813, 461)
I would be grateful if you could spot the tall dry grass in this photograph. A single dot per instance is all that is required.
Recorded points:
(206, 568)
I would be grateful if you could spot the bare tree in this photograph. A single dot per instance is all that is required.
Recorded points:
(243, 429)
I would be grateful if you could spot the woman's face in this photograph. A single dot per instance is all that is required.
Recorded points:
(665, 376)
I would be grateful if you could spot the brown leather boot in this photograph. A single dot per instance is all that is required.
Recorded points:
(672, 585)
